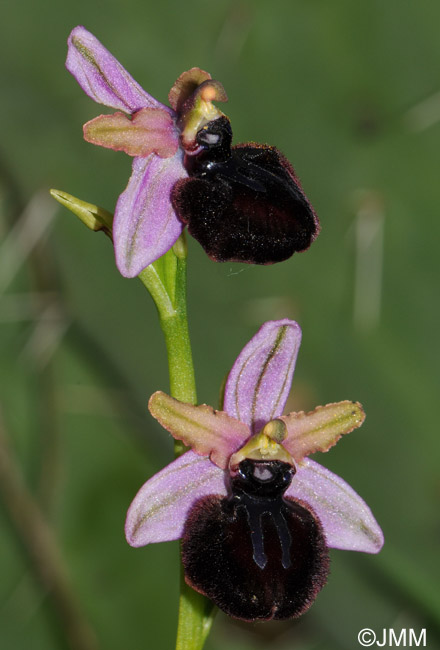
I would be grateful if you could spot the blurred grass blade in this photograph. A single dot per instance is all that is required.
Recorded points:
(24, 235)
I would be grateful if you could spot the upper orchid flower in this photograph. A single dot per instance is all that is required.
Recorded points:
(256, 553)
(241, 203)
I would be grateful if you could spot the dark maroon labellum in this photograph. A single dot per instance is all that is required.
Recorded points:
(243, 203)
(256, 554)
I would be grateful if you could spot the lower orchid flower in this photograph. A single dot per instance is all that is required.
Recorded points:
(242, 203)
(256, 516)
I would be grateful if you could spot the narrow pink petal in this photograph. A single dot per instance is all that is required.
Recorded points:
(160, 508)
(145, 224)
(347, 520)
(151, 130)
(102, 77)
(259, 382)
(208, 432)
(320, 429)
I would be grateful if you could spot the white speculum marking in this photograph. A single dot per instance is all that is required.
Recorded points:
(262, 473)
(211, 138)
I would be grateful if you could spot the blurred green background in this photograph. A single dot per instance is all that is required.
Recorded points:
(350, 92)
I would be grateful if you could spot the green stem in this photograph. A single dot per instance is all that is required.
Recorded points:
(165, 279)
(166, 282)
(180, 364)
(196, 614)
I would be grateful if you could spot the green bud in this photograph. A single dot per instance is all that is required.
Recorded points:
(92, 216)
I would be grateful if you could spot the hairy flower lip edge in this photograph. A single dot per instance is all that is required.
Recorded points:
(347, 520)
(161, 506)
(106, 81)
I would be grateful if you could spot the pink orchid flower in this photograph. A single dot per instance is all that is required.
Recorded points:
(242, 203)
(255, 514)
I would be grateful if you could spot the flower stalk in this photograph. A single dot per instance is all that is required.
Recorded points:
(165, 279)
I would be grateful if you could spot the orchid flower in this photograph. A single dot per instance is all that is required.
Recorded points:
(242, 203)
(242, 460)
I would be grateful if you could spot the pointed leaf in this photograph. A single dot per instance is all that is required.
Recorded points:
(102, 77)
(145, 224)
(320, 429)
(259, 382)
(151, 130)
(160, 508)
(348, 522)
(208, 432)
